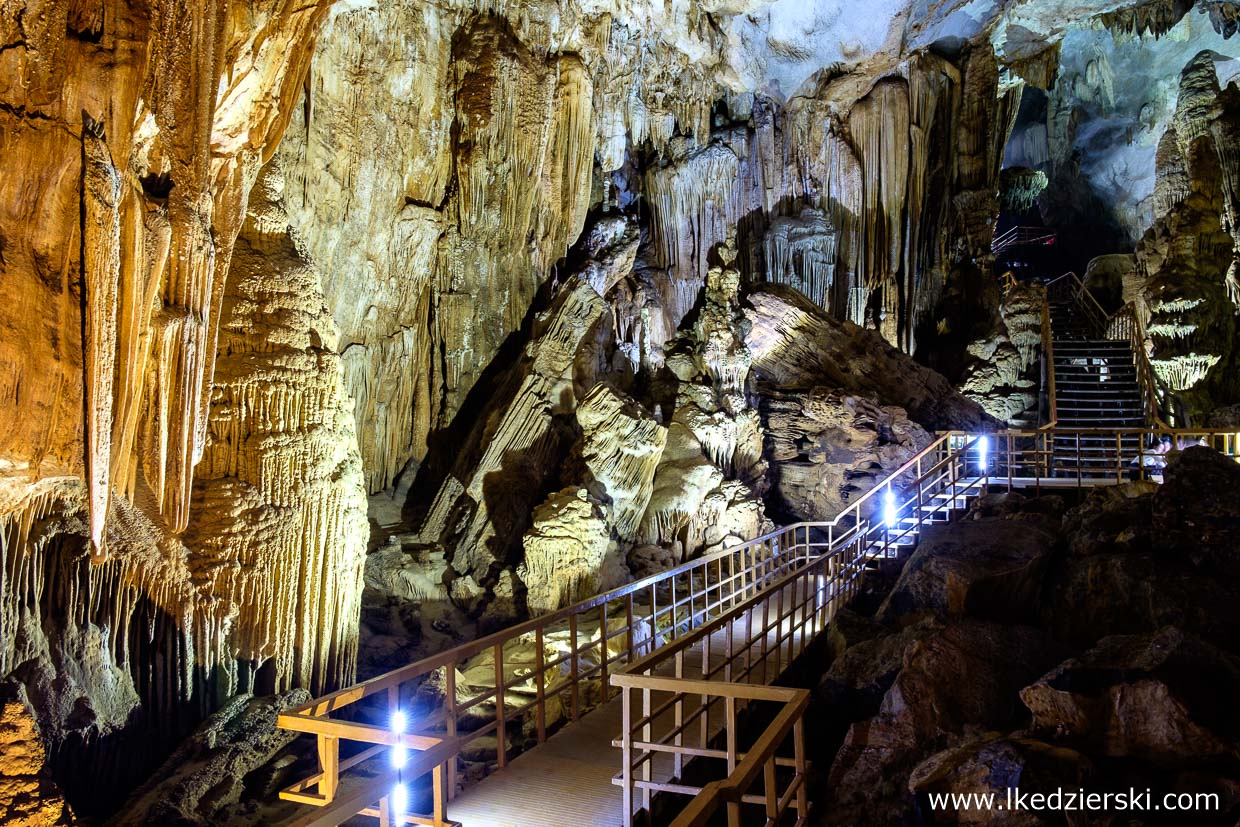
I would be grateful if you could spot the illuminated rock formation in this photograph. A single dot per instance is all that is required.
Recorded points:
(279, 523)
(29, 797)
(1186, 260)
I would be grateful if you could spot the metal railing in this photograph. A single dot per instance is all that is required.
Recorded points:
(1158, 400)
(638, 637)
(1048, 366)
(1124, 324)
(587, 640)
(725, 664)
(1022, 235)
(1055, 458)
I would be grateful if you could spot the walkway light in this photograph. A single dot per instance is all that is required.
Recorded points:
(398, 724)
(399, 802)
(889, 508)
(983, 448)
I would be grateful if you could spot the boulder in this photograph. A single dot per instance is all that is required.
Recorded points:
(797, 346)
(569, 552)
(992, 568)
(928, 708)
(849, 628)
(1195, 510)
(1165, 697)
(828, 448)
(1111, 518)
(991, 765)
(854, 686)
(202, 782)
(1012, 505)
(1128, 593)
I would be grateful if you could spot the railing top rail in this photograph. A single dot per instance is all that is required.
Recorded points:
(680, 644)
(475, 647)
(1143, 429)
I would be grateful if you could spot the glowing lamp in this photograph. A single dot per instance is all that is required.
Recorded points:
(399, 801)
(983, 448)
(398, 724)
(889, 508)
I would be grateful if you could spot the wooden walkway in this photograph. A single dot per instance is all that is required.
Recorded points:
(567, 780)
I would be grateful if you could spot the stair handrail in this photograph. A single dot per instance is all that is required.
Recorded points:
(1082, 296)
(1125, 323)
(1048, 363)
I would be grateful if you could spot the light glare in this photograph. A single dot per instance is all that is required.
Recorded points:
(399, 800)
(889, 508)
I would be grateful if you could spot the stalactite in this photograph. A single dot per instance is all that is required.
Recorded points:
(1154, 17)
(1183, 371)
(800, 252)
(101, 235)
(570, 163)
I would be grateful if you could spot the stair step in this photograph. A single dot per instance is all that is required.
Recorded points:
(1062, 366)
(1090, 393)
(1095, 382)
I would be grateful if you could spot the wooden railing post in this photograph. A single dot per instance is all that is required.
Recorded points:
(574, 691)
(439, 805)
(540, 670)
(626, 752)
(501, 718)
(602, 644)
(450, 720)
(329, 764)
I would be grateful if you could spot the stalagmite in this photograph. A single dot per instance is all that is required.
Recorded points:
(569, 554)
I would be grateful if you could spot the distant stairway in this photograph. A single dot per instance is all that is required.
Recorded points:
(1096, 388)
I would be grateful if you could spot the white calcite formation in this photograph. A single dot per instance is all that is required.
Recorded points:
(279, 531)
(569, 553)
(1186, 262)
(620, 448)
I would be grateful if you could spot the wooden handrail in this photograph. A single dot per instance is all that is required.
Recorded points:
(378, 788)
(731, 789)
(1126, 323)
